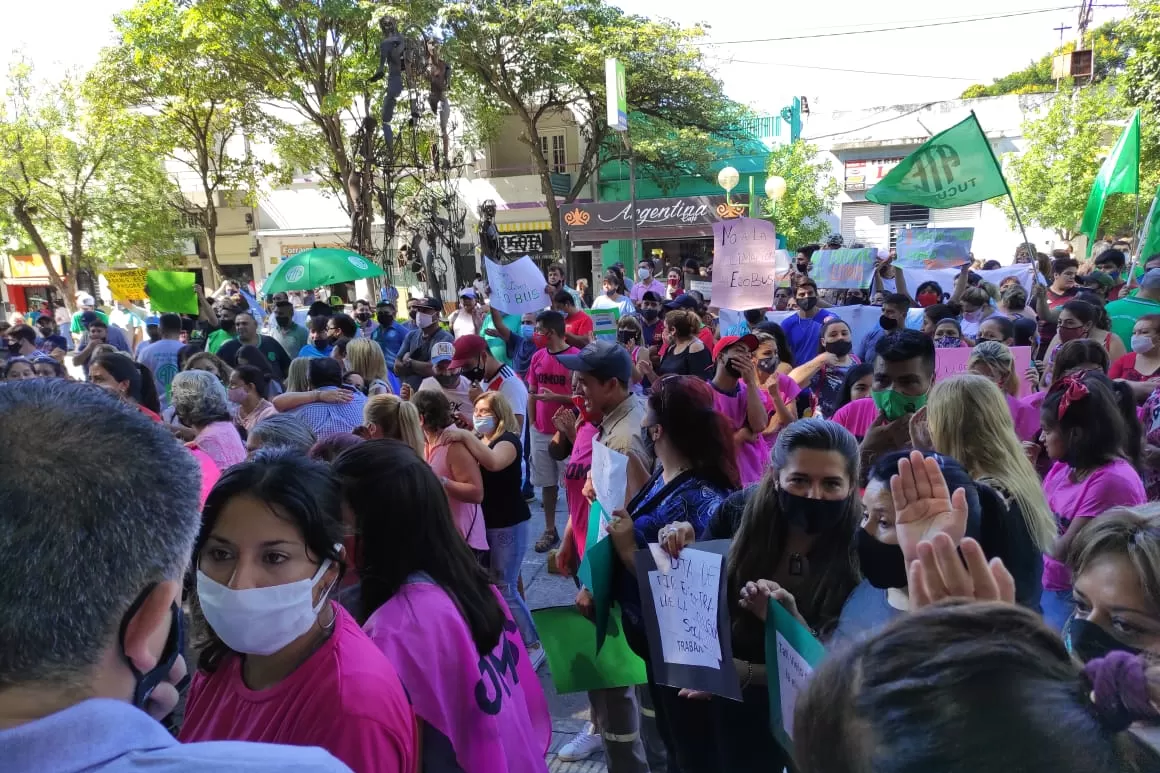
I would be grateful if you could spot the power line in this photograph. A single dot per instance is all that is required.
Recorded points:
(896, 29)
(861, 72)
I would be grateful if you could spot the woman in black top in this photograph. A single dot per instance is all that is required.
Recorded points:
(686, 354)
(505, 513)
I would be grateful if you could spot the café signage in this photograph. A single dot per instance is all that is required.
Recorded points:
(527, 243)
(678, 216)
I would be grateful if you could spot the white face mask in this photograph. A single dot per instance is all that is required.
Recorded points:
(1142, 344)
(424, 321)
(260, 621)
(643, 272)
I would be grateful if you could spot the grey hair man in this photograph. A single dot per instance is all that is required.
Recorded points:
(281, 431)
(91, 569)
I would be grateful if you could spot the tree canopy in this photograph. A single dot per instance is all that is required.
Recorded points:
(810, 193)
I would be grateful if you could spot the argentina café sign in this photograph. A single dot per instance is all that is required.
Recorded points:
(677, 217)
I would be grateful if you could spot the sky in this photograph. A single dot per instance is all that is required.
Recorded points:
(60, 34)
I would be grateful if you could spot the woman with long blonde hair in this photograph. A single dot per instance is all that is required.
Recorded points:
(994, 361)
(365, 357)
(296, 378)
(392, 418)
(1015, 512)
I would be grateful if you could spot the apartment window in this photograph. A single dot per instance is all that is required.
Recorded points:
(906, 216)
(553, 147)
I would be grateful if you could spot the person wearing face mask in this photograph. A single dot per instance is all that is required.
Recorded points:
(928, 294)
(555, 277)
(803, 330)
(997, 328)
(468, 318)
(115, 674)
(738, 397)
(893, 317)
(475, 362)
(1142, 364)
(1092, 435)
(363, 317)
(648, 314)
(1079, 319)
(268, 558)
(1124, 312)
(495, 444)
(615, 295)
(948, 334)
(578, 326)
(414, 361)
(246, 329)
(628, 335)
(976, 308)
(675, 284)
(646, 282)
(1049, 299)
(225, 311)
(247, 391)
(781, 389)
(449, 382)
(1113, 264)
(286, 330)
(320, 344)
(388, 334)
(903, 374)
(825, 373)
(793, 540)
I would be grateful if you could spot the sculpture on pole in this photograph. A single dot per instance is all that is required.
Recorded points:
(391, 49)
(439, 75)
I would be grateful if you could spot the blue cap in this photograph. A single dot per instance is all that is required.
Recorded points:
(603, 359)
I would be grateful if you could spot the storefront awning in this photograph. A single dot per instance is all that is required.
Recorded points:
(14, 281)
(534, 225)
(671, 218)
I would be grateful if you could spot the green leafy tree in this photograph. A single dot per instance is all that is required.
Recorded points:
(810, 193)
(533, 58)
(1143, 66)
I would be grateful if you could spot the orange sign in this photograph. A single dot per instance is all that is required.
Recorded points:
(31, 267)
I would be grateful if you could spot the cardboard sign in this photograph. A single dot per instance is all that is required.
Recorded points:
(952, 362)
(129, 285)
(934, 248)
(745, 264)
(793, 650)
(518, 287)
(703, 286)
(604, 322)
(843, 269)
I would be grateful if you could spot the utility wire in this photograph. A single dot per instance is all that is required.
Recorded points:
(861, 72)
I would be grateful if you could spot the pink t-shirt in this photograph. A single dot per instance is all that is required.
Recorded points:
(789, 390)
(468, 516)
(209, 472)
(1113, 485)
(546, 372)
(857, 416)
(346, 698)
(751, 455)
(1025, 414)
(575, 474)
(490, 709)
(222, 443)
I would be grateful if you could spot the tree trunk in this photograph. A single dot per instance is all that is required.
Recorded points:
(211, 226)
(66, 287)
(76, 237)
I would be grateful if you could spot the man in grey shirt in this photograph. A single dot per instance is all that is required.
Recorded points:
(90, 585)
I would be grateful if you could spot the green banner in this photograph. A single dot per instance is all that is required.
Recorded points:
(1120, 173)
(573, 658)
(953, 168)
(843, 269)
(172, 291)
(791, 655)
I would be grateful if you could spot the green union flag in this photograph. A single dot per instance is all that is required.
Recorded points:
(1120, 173)
(952, 169)
(1151, 243)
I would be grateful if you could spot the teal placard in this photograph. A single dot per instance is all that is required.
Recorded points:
(604, 322)
(596, 572)
(843, 269)
(791, 655)
(576, 664)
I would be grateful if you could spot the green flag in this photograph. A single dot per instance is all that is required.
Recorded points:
(1119, 174)
(1150, 242)
(952, 169)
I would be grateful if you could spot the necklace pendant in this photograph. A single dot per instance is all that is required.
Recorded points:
(796, 565)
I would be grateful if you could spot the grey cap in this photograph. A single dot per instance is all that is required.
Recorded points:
(1151, 280)
(603, 359)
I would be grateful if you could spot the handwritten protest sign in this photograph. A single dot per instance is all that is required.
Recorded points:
(745, 263)
(843, 269)
(686, 618)
(609, 477)
(604, 322)
(934, 247)
(704, 287)
(518, 287)
(685, 599)
(945, 277)
(172, 291)
(128, 285)
(796, 653)
(952, 362)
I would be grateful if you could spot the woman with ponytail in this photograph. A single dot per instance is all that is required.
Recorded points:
(131, 381)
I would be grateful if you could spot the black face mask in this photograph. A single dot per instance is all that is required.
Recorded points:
(625, 336)
(882, 564)
(807, 304)
(363, 316)
(14, 349)
(732, 371)
(384, 318)
(1088, 641)
(839, 348)
(284, 322)
(813, 516)
(887, 323)
(147, 681)
(768, 364)
(227, 325)
(650, 314)
(474, 374)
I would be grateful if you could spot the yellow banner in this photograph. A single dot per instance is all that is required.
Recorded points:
(128, 285)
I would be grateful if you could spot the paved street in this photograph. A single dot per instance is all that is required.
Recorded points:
(569, 712)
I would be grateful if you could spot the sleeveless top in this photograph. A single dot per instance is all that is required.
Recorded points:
(503, 503)
(467, 516)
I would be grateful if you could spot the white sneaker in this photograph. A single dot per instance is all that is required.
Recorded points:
(583, 746)
(536, 654)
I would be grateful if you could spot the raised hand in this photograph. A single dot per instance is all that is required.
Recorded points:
(940, 574)
(923, 507)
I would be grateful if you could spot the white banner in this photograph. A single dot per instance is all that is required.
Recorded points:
(518, 287)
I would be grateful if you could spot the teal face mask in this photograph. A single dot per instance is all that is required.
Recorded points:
(894, 405)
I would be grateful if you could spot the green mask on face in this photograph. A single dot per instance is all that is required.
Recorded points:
(895, 405)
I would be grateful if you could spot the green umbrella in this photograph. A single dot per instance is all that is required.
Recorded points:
(317, 267)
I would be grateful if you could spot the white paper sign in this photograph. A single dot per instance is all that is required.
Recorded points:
(946, 277)
(685, 599)
(609, 477)
(792, 674)
(518, 287)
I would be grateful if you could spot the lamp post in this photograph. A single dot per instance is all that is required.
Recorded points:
(775, 191)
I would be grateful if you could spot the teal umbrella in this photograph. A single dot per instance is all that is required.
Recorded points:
(317, 267)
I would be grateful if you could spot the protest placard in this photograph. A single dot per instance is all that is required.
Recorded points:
(596, 568)
(517, 287)
(934, 247)
(843, 269)
(703, 286)
(952, 362)
(609, 477)
(945, 277)
(172, 291)
(686, 618)
(574, 662)
(604, 322)
(745, 263)
(795, 653)
(128, 285)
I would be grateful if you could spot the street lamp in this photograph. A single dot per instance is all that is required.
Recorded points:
(728, 178)
(775, 188)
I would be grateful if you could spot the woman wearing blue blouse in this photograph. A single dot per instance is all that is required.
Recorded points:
(697, 471)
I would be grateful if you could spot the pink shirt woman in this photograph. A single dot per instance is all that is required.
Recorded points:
(222, 443)
(468, 516)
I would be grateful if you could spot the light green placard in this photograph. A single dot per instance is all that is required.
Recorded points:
(596, 572)
(791, 655)
(576, 664)
(172, 291)
(604, 322)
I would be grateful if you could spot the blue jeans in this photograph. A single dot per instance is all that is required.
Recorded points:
(508, 547)
(1057, 607)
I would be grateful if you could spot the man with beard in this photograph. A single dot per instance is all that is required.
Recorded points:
(556, 274)
(246, 328)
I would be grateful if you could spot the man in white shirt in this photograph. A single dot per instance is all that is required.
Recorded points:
(474, 361)
(90, 584)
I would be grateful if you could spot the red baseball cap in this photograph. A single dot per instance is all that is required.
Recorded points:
(750, 342)
(467, 348)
